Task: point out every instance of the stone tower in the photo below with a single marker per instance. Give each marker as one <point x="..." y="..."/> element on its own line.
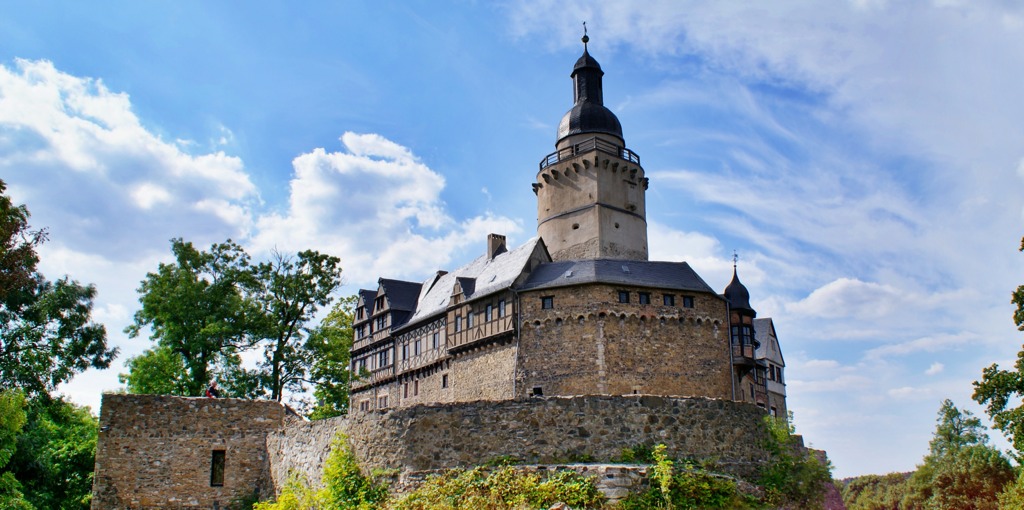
<point x="590" y="191"/>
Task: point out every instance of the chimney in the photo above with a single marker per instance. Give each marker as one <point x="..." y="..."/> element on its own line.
<point x="495" y="245"/>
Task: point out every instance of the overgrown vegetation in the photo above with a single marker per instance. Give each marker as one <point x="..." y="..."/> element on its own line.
<point x="685" y="489"/>
<point x="792" y="476"/>
<point x="502" y="488"/>
<point x="343" y="487"/>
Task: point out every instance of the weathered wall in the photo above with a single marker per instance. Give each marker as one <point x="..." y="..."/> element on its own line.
<point x="156" y="451"/>
<point x="540" y="431"/>
<point x="588" y="343"/>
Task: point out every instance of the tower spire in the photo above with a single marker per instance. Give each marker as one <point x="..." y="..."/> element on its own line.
<point x="585" y="38"/>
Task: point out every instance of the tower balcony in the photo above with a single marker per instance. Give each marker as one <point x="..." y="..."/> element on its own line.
<point x="589" y="145"/>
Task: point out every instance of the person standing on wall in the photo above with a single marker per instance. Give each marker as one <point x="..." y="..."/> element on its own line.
<point x="212" y="391"/>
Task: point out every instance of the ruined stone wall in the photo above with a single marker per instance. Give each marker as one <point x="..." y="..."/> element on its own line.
<point x="156" y="451"/>
<point x="588" y="343"/>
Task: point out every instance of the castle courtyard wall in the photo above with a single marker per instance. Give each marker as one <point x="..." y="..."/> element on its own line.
<point x="156" y="451"/>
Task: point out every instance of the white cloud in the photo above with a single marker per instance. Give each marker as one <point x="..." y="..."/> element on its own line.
<point x="121" y="189"/>
<point x="936" y="343"/>
<point x="935" y="368"/>
<point x="378" y="207"/>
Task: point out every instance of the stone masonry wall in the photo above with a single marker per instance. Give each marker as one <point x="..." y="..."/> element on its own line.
<point x="156" y="451"/>
<point x="548" y="430"/>
<point x="589" y="343"/>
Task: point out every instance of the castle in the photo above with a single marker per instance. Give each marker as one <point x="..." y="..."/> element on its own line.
<point x="578" y="310"/>
<point x="571" y="346"/>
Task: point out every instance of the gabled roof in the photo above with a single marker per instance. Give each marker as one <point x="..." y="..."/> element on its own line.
<point x="401" y="294"/>
<point x="367" y="297"/>
<point x="662" y="275"/>
<point x="489" y="274"/>
<point x="764" y="332"/>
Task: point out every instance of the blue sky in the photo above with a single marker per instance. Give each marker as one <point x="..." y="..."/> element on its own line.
<point x="865" y="160"/>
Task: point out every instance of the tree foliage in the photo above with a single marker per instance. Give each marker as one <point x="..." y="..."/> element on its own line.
<point x="961" y="470"/>
<point x="46" y="331"/>
<point x="12" y="419"/>
<point x="289" y="292"/>
<point x="875" y="492"/>
<point x="793" y="475"/>
<point x="1002" y="390"/>
<point x="195" y="308"/>
<point x="330" y="345"/>
<point x="208" y="308"/>
<point x="56" y="454"/>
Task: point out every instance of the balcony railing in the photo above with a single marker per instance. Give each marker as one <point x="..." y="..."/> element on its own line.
<point x="587" y="146"/>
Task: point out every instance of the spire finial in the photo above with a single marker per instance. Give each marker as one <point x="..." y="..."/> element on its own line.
<point x="735" y="259"/>
<point x="586" y="38"/>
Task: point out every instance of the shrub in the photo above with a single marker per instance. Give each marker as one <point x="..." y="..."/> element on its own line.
<point x="503" y="488"/>
<point x="792" y="475"/>
<point x="687" y="489"/>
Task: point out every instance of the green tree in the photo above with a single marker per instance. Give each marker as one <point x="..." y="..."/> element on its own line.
<point x="196" y="309"/>
<point x="46" y="331"/>
<point x="874" y="492"/>
<point x="330" y="344"/>
<point x="157" y="371"/>
<point x="1002" y="390"/>
<point x="56" y="454"/>
<point x="289" y="292"/>
<point x="12" y="419"/>
<point x="961" y="470"/>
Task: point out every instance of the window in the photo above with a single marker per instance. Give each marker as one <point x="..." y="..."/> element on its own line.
<point x="436" y="339"/>
<point x="382" y="359"/>
<point x="217" y="469"/>
<point x="444" y="380"/>
<point x="547" y="302"/>
<point x="687" y="301"/>
<point x="501" y="308"/>
<point x="458" y="323"/>
<point x="469" y="320"/>
<point x="416" y="387"/>
<point x="416" y="348"/>
<point x="668" y="300"/>
<point x="488" y="313"/>
<point x="364" y="405"/>
<point x="359" y="333"/>
<point x="359" y="312"/>
<point x="381" y="321"/>
<point x="405" y="351"/>
<point x="382" y="402"/>
<point x="538" y="391"/>
<point x="405" y="390"/>
<point x="774" y="411"/>
<point x="623" y="296"/>
<point x="644" y="298"/>
<point x="362" y="364"/>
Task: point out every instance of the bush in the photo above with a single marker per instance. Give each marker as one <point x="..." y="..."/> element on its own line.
<point x="344" y="486"/>
<point x="503" y="488"/>
<point x="792" y="476"/>
<point x="687" y="489"/>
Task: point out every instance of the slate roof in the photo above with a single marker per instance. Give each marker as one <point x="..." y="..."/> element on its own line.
<point x="368" y="296"/>
<point x="662" y="275"/>
<point x="737" y="293"/>
<point x="402" y="295"/>
<point x="764" y="331"/>
<point x="489" y="275"/>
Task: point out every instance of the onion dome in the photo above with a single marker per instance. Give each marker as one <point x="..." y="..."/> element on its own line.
<point x="588" y="114"/>
<point x="737" y="293"/>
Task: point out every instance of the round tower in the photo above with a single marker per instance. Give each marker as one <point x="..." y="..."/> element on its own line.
<point x="591" y="190"/>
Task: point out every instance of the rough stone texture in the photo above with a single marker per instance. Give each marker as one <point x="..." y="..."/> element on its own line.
<point x="156" y="451"/>
<point x="538" y="431"/>
<point x="588" y="343"/>
<point x="593" y="206"/>
<point x="302" y="448"/>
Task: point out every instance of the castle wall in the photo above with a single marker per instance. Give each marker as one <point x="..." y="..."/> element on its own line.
<point x="588" y="343"/>
<point x="157" y="451"/>
<point x="546" y="430"/>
